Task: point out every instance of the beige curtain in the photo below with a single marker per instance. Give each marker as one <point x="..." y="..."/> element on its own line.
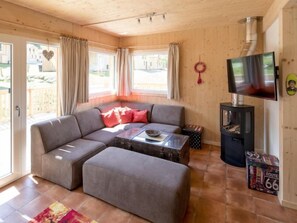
<point x="74" y="81"/>
<point x="173" y="72"/>
<point x="123" y="72"/>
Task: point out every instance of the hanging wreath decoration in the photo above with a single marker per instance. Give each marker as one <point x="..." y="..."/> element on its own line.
<point x="199" y="68"/>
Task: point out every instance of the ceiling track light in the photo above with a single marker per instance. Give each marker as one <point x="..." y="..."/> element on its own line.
<point x="139" y="17"/>
<point x="150" y="16"/>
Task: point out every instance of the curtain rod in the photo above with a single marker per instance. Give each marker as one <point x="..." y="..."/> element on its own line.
<point x="51" y="32"/>
<point x="72" y="37"/>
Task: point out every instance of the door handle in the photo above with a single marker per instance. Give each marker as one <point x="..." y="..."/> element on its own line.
<point x="19" y="110"/>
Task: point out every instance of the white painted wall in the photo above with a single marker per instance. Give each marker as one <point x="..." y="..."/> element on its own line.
<point x="272" y="108"/>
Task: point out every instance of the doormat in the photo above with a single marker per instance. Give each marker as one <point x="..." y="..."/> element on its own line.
<point x="58" y="213"/>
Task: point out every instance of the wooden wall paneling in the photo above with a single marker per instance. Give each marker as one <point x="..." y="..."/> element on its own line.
<point x="273" y="12"/>
<point x="189" y="56"/>
<point x="96" y="37"/>
<point x="30" y="18"/>
<point x="212" y="81"/>
<point x="7" y="28"/>
<point x="288" y="165"/>
<point x="221" y="73"/>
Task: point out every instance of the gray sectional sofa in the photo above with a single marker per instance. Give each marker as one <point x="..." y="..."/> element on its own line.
<point x="60" y="146"/>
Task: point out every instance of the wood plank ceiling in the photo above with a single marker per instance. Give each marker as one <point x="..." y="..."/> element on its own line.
<point x="179" y="14"/>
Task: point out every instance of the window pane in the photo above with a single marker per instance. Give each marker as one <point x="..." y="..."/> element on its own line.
<point x="150" y="72"/>
<point x="101" y="72"/>
<point x="41" y="80"/>
<point x="42" y="98"/>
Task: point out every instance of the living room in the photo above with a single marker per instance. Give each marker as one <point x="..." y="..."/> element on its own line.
<point x="211" y="41"/>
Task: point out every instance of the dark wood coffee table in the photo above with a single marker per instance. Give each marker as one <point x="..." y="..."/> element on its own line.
<point x="174" y="147"/>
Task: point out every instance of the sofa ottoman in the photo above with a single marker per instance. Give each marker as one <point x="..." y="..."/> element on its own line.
<point x="152" y="188"/>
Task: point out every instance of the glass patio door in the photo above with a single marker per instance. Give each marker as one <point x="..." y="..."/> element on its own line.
<point x="5" y="109"/>
<point x="41" y="86"/>
<point x="11" y="104"/>
<point x="28" y="94"/>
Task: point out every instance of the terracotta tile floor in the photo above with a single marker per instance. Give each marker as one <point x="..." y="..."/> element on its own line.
<point x="218" y="194"/>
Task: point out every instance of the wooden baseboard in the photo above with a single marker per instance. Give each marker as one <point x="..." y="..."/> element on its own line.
<point x="212" y="143"/>
<point x="289" y="204"/>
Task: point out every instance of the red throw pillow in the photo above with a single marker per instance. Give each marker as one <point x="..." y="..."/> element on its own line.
<point x="140" y="116"/>
<point x="110" y="118"/>
<point x="126" y="115"/>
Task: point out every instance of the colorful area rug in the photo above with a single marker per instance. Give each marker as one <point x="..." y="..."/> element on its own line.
<point x="58" y="213"/>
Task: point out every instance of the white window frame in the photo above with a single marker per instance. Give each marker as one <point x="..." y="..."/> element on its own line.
<point x="146" y="91"/>
<point x="104" y="92"/>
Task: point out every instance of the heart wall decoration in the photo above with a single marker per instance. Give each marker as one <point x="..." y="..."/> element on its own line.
<point x="48" y="54"/>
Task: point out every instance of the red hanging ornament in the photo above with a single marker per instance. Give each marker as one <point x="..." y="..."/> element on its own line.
<point x="199" y="68"/>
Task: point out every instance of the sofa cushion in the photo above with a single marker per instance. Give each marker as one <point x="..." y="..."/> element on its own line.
<point x="110" y="118"/>
<point x="89" y="121"/>
<point x="105" y="135"/>
<point x="139" y="106"/>
<point x="59" y="131"/>
<point x="168" y="114"/>
<point x="64" y="164"/>
<point x="125" y="115"/>
<point x="163" y="127"/>
<point x="108" y="106"/>
<point x="140" y="116"/>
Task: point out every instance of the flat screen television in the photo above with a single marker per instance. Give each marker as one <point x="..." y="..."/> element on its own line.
<point x="253" y="76"/>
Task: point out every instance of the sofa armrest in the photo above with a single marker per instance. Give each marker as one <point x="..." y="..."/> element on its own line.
<point x="37" y="150"/>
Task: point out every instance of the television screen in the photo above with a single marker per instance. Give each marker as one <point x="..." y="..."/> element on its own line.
<point x="253" y="76"/>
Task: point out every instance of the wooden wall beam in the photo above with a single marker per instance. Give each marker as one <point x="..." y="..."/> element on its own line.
<point x="273" y="13"/>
